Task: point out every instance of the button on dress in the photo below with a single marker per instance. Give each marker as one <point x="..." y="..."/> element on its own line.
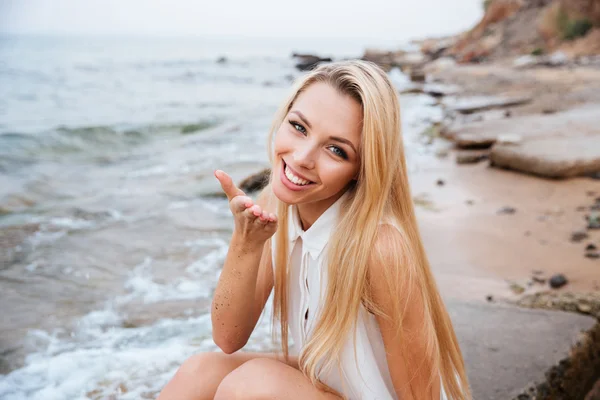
<point x="364" y="377"/>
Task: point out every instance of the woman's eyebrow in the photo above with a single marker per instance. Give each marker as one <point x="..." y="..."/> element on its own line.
<point x="342" y="140"/>
<point x="302" y="117"/>
<point x="336" y="138"/>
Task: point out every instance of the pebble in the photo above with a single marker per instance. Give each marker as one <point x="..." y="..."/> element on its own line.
<point x="593" y="220"/>
<point x="578" y="236"/>
<point x="557" y="281"/>
<point x="440" y="182"/>
<point x="507" y="210"/>
<point x="489" y="297"/>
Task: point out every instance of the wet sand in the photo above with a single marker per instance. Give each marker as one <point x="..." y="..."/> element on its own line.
<point x="476" y="252"/>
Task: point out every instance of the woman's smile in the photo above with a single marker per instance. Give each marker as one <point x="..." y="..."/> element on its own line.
<point x="293" y="180"/>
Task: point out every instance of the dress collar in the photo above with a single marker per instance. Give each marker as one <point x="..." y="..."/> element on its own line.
<point x="316" y="237"/>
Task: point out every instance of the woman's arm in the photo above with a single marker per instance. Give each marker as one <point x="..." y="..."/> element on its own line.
<point x="408" y="364"/>
<point x="246" y="279"/>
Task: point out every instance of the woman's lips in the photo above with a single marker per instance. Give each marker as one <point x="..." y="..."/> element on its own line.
<point x="289" y="184"/>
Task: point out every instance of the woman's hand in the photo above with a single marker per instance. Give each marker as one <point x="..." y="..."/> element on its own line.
<point x="252" y="224"/>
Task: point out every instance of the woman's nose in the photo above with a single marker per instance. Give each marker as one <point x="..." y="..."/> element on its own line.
<point x="304" y="157"/>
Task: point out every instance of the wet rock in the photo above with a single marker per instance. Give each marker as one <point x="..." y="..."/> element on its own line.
<point x="506" y="211"/>
<point x="306" y="62"/>
<point x="578" y="236"/>
<point x="550" y="157"/>
<point x="256" y="182"/>
<point x="558" y="281"/>
<point x="593" y="220"/>
<point x="470" y="157"/>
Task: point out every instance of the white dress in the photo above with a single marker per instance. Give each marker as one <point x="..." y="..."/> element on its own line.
<point x="365" y="377"/>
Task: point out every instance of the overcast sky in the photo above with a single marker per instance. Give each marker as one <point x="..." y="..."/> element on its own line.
<point x="400" y="19"/>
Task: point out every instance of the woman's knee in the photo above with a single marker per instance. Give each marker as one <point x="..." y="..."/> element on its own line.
<point x="256" y="380"/>
<point x="197" y="378"/>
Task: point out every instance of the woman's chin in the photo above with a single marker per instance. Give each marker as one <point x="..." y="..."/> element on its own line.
<point x="283" y="194"/>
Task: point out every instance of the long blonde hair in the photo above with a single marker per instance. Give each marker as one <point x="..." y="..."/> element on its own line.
<point x="381" y="191"/>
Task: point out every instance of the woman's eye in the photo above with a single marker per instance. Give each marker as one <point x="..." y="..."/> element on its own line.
<point x="298" y="127"/>
<point x="339" y="152"/>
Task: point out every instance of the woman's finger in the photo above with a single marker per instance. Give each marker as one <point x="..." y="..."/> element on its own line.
<point x="227" y="185"/>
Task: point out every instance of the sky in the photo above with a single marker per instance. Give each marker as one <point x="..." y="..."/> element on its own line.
<point x="400" y="19"/>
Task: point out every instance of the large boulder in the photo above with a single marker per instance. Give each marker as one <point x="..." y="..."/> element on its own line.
<point x="558" y="157"/>
<point x="306" y="62"/>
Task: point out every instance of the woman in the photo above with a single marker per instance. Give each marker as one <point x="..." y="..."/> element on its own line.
<point x="335" y="235"/>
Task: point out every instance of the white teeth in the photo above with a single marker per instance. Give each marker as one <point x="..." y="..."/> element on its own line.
<point x="294" y="178"/>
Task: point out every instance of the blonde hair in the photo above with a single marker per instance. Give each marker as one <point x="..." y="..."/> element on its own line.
<point x="381" y="191"/>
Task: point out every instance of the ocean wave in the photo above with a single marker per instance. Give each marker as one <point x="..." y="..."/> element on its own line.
<point x="102" y="143"/>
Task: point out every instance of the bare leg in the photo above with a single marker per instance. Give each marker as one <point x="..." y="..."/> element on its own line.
<point x="268" y="379"/>
<point x="200" y="375"/>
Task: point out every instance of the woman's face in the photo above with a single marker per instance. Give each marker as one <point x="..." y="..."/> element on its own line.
<point x="317" y="147"/>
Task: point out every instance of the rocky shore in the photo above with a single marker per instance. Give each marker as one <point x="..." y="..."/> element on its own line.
<point x="515" y="180"/>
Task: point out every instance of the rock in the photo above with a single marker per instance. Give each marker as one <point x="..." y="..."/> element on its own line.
<point x="417" y="75"/>
<point x="306" y="62"/>
<point x="578" y="236"/>
<point x="385" y="59"/>
<point x="593" y="220"/>
<point x="592" y="254"/>
<point x="256" y="181"/>
<point x="594" y="394"/>
<point x="516" y="288"/>
<point x="470" y="157"/>
<point x="591" y="247"/>
<point x="484" y="103"/>
<point x="558" y="281"/>
<point x="509" y="138"/>
<point x="594" y="175"/>
<point x="221" y="60"/>
<point x="506" y="211"/>
<point x="584" y="308"/>
<point x="537" y="279"/>
<point x="440" y="182"/>
<point x="489" y="297"/>
<point x="473" y="141"/>
<point x="469" y="202"/>
<point x="440" y="64"/>
<point x="526" y="61"/>
<point x="550" y="157"/>
<point x="440" y="90"/>
<point x="557" y="58"/>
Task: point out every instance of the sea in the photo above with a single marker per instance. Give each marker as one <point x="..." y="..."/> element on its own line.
<point x="113" y="231"/>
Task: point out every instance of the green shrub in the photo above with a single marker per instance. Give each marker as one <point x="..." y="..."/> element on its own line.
<point x="571" y="28"/>
<point x="538" y="51"/>
<point x="577" y="28"/>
